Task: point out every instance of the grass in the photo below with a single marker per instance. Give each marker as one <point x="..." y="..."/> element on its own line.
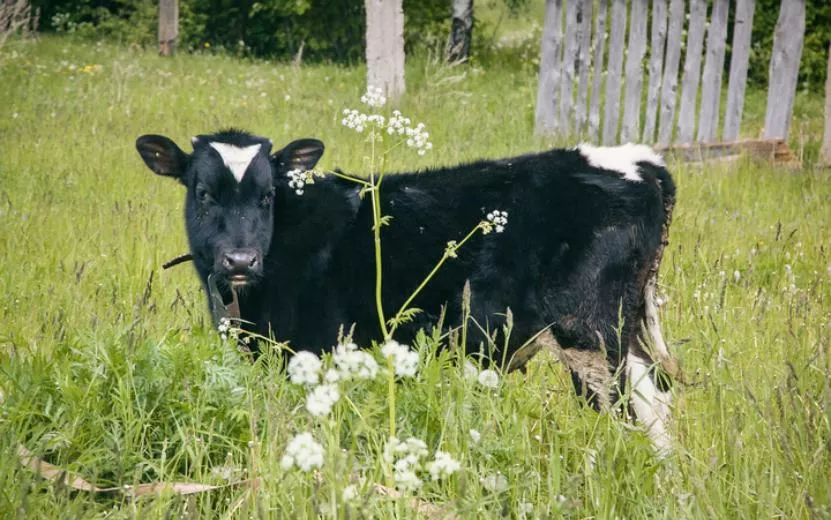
<point x="109" y="367"/>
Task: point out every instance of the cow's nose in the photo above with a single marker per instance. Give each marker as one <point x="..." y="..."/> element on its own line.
<point x="241" y="261"/>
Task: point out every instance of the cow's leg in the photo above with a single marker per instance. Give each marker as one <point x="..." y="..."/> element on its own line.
<point x="649" y="395"/>
<point x="591" y="372"/>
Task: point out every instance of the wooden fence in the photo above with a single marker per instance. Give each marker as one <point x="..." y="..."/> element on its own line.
<point x="586" y="43"/>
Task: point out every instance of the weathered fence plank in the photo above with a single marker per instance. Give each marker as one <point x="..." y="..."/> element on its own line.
<point x="550" y="53"/>
<point x="615" y="66"/>
<point x="569" y="66"/>
<point x="669" y="82"/>
<point x="742" y="29"/>
<point x="656" y="61"/>
<point x="634" y="72"/>
<point x="784" y="67"/>
<point x="692" y="71"/>
<point x="584" y="20"/>
<point x="599" y="45"/>
<point x="713" y="69"/>
<point x="826" y="142"/>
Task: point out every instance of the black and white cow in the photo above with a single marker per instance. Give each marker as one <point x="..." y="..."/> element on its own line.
<point x="577" y="263"/>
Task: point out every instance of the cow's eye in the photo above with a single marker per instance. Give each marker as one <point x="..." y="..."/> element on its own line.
<point x="203" y="195"/>
<point x="267" y="198"/>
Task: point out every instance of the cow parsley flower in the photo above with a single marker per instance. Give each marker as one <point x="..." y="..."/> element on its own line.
<point x="320" y="401"/>
<point x="488" y="378"/>
<point x="475" y="436"/>
<point x="304" y="368"/>
<point x="331" y="376"/>
<point x="404" y="360"/>
<point x="470" y="371"/>
<point x="498" y="219"/>
<point x="495" y="482"/>
<point x="353" y="363"/>
<point x="303" y="452"/>
<point x="354" y="119"/>
<point x="297" y="180"/>
<point x="350" y="493"/>
<point x="443" y="465"/>
<point x="374" y="97"/>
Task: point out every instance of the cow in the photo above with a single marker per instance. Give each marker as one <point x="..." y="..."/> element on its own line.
<point x="575" y="268"/>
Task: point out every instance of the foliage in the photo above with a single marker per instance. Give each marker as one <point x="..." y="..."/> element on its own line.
<point x="117" y="376"/>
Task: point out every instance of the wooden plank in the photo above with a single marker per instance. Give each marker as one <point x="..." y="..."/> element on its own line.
<point x="615" y="66"/>
<point x="599" y="46"/>
<point x="713" y="69"/>
<point x="692" y="71"/>
<point x="584" y="20"/>
<point x="657" y="43"/>
<point x="775" y="150"/>
<point x="742" y="29"/>
<point x="630" y="130"/>
<point x="669" y="81"/>
<point x="784" y="67"/>
<point x="826" y="141"/>
<point x="546" y="120"/>
<point x="569" y="66"/>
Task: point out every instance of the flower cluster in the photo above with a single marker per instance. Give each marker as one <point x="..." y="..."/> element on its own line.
<point x="303" y="452"/>
<point x="298" y="179"/>
<point x="488" y="378"/>
<point x="374" y="97"/>
<point x="320" y="401"/>
<point x="415" y="137"/>
<point x="353" y="363"/>
<point x="496" y="221"/>
<point x="304" y="368"/>
<point x="403" y="360"/>
<point x="405" y="458"/>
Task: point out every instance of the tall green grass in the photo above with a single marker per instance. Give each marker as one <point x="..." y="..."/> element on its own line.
<point x="109" y="367"/>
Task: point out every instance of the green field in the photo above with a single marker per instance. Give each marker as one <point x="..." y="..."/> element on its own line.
<point x="109" y="366"/>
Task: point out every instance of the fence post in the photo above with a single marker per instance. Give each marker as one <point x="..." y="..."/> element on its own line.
<point x="742" y="29"/>
<point x="584" y="18"/>
<point x="669" y="83"/>
<point x="634" y="72"/>
<point x="569" y="66"/>
<point x="599" y="42"/>
<point x="616" y="41"/>
<point x="713" y="68"/>
<point x="656" y="59"/>
<point x="826" y="142"/>
<point x="784" y="67"/>
<point x="692" y="71"/>
<point x="550" y="51"/>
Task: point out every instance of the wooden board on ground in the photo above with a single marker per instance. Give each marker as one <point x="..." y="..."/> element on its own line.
<point x="775" y="150"/>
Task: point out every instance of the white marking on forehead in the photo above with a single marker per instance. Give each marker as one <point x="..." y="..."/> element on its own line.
<point x="623" y="159"/>
<point x="235" y="158"/>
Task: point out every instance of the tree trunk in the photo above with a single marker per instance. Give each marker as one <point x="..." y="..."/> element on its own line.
<point x="826" y="142"/>
<point x="461" y="31"/>
<point x="168" y="26"/>
<point x="385" y="46"/>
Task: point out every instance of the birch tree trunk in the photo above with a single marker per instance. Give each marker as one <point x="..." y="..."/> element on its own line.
<point x="826" y="142"/>
<point x="461" y="32"/>
<point x="546" y="121"/>
<point x="784" y="67"/>
<point x="385" y="46"/>
<point x="168" y="26"/>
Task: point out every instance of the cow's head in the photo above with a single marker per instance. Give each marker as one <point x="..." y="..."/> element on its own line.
<point x="231" y="179"/>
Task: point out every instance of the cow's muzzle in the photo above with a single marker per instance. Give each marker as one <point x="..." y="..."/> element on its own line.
<point x="239" y="266"/>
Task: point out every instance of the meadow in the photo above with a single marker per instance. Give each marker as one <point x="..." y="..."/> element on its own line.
<point x="110" y="368"/>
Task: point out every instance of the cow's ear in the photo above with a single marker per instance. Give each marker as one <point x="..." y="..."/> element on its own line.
<point x="302" y="154"/>
<point x="161" y="155"/>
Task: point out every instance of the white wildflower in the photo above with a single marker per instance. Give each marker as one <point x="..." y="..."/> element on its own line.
<point x="304" y="368"/>
<point x="350" y="493"/>
<point x="331" y="376"/>
<point x="470" y="371"/>
<point x="303" y="452"/>
<point x="475" y="436"/>
<point x="524" y="509"/>
<point x="404" y="360"/>
<point x="737" y="276"/>
<point x="498" y="219"/>
<point x="495" y="482"/>
<point x="374" y="97"/>
<point x="353" y="363"/>
<point x="297" y="180"/>
<point x="488" y="378"/>
<point x="443" y="466"/>
<point x="320" y="401"/>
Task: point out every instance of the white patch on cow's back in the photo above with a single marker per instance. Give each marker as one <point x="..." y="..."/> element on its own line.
<point x="650" y="404"/>
<point x="236" y="158"/>
<point x="623" y="158"/>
